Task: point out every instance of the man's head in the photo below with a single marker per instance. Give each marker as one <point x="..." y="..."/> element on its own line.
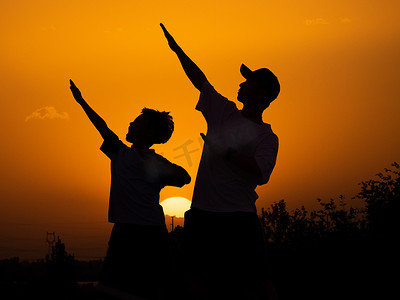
<point x="151" y="127"/>
<point x="260" y="88"/>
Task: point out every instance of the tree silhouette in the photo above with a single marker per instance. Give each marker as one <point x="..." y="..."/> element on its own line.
<point x="60" y="264"/>
<point x="350" y="249"/>
<point x="382" y="199"/>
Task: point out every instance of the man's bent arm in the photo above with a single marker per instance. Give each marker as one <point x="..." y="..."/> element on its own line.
<point x="96" y="120"/>
<point x="244" y="162"/>
<point x="193" y="72"/>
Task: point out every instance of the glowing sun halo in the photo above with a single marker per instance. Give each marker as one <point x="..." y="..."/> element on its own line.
<point x="175" y="206"/>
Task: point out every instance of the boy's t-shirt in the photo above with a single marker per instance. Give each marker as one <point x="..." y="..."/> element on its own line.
<point x="137" y="177"/>
<point x="220" y="185"/>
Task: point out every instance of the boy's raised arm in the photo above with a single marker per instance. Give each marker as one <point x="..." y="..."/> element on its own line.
<point x="192" y="71"/>
<point x="96" y="120"/>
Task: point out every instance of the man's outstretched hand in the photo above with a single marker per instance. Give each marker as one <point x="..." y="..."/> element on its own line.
<point x="193" y="72"/>
<point x="75" y="92"/>
<point x="171" y="42"/>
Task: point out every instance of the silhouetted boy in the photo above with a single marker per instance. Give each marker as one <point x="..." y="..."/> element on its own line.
<point x="223" y="234"/>
<point x="138" y="248"/>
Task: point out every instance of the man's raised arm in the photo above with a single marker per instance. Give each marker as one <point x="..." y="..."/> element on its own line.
<point x="192" y="71"/>
<point x="96" y="120"/>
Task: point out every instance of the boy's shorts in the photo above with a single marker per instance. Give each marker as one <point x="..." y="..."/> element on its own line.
<point x="137" y="257"/>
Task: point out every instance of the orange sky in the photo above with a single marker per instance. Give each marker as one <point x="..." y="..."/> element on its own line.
<point x="337" y="115"/>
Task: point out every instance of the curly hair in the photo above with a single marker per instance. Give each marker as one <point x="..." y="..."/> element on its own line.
<point x="161" y="122"/>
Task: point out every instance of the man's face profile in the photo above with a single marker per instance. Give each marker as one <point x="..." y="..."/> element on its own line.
<point x="250" y="91"/>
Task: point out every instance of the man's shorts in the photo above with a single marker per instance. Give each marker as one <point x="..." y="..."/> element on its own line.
<point x="224" y="246"/>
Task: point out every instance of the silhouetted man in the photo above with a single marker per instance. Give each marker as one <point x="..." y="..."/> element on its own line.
<point x="224" y="237"/>
<point x="138" y="248"/>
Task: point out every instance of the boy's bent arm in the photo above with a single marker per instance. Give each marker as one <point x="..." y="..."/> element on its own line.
<point x="96" y="120"/>
<point x="176" y="176"/>
<point x="193" y="72"/>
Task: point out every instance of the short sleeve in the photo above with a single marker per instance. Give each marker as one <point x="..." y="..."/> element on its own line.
<point x="111" y="144"/>
<point x="213" y="105"/>
<point x="265" y="156"/>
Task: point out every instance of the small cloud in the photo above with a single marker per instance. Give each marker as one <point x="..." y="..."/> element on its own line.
<point x="345" y="20"/>
<point x="317" y="21"/>
<point x="47" y="112"/>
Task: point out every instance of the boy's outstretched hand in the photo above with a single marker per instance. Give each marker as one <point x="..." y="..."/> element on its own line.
<point x="171" y="42"/>
<point x="75" y="92"/>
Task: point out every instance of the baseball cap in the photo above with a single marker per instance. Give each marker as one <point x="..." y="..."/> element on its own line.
<point x="265" y="77"/>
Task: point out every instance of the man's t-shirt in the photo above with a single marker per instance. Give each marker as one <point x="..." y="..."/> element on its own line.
<point x="220" y="185"/>
<point x="137" y="177"/>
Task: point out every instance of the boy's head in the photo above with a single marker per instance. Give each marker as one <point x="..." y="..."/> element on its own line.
<point x="150" y="127"/>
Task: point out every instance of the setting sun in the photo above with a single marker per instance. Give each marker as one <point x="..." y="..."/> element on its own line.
<point x="176" y="206"/>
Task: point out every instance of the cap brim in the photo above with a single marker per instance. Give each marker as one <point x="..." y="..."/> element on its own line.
<point x="245" y="71"/>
